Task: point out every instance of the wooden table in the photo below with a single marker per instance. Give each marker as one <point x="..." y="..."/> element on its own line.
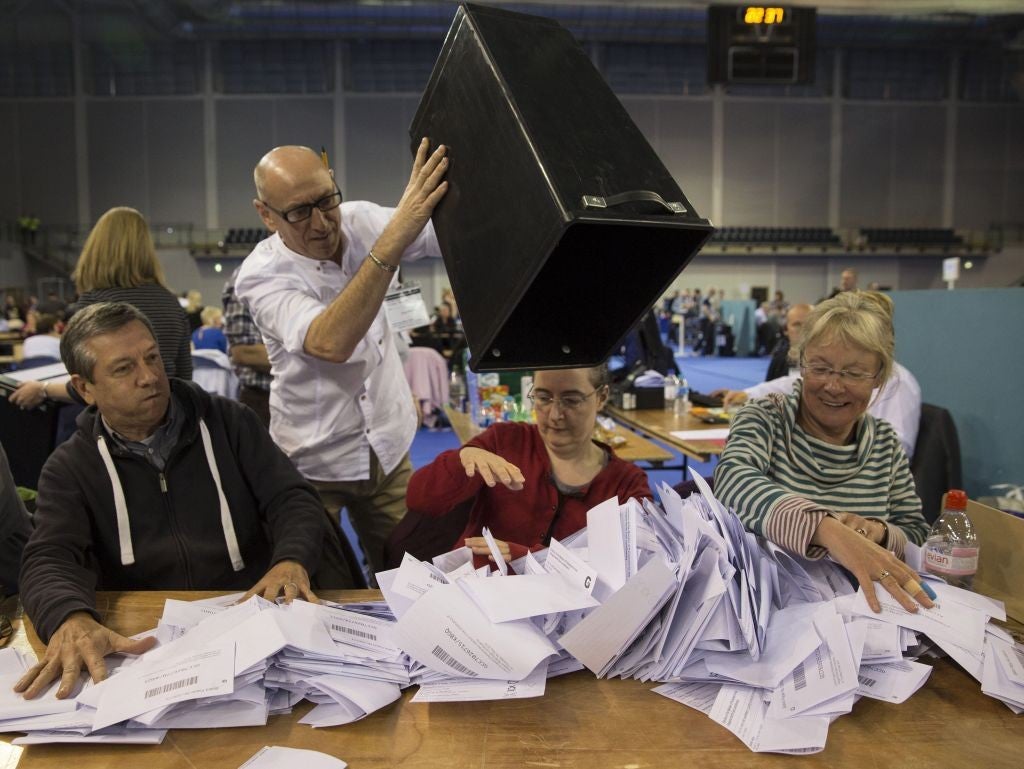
<point x="580" y="723"/>
<point x="628" y="445"/>
<point x="659" y="424"/>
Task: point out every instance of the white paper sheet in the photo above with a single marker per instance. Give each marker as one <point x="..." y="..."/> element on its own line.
<point x="145" y="687"/>
<point x="474" y="689"/>
<point x="445" y="631"/>
<point x="892" y="681"/>
<point x="523" y="596"/>
<point x="275" y="757"/>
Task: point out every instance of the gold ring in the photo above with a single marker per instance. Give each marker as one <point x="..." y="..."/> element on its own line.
<point x="286" y="584"/>
<point x="883" y="575"/>
<point x="862" y="531"/>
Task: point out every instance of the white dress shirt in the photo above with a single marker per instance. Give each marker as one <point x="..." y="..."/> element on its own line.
<point x="327" y="416"/>
<point x="898" y="401"/>
<point x="41" y="345"/>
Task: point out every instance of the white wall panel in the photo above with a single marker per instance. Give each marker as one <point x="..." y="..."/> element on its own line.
<point x="175" y="159"/>
<point x="978" y="197"/>
<point x="245" y="132"/>
<point x="802" y="135"/>
<point x="377" y="147"/>
<point x="46" y="146"/>
<point x="864" y="191"/>
<point x="749" y="165"/>
<point x="916" y="173"/>
<point x="118" y="174"/>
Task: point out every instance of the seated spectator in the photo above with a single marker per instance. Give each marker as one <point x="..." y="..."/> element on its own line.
<point x="816" y="474"/>
<point x="782" y="362"/>
<point x="52" y="305"/>
<point x="767" y="329"/>
<point x="15" y="527"/>
<point x="529" y="483"/>
<point x="898" y="401"/>
<point x="45" y="343"/>
<point x="163" y="487"/>
<point x="210" y="335"/>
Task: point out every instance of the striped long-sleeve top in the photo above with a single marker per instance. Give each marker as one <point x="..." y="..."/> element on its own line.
<point x="782" y="482"/>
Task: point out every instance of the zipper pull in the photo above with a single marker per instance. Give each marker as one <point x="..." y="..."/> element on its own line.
<point x="163" y="483"/>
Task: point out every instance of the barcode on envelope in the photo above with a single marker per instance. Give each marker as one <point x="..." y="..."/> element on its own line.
<point x="799" y="677"/>
<point x="172" y="686"/>
<point x="865" y="681"/>
<point x="353" y="631"/>
<point x="451" y="662"/>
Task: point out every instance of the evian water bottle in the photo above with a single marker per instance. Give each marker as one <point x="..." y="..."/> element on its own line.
<point x="951" y="550"/>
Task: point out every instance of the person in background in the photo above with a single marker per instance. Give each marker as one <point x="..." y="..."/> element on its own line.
<point x="898" y="401"/>
<point x="194" y="310"/>
<point x="448" y="297"/>
<point x="782" y="362"/>
<point x="118" y="264"/>
<point x="210" y="336"/>
<point x="163" y="487"/>
<point x="816" y="474"/>
<point x="52" y="305"/>
<point x="340" y="405"/>
<point x="531" y="483"/>
<point x="45" y="343"/>
<point x="847" y="282"/>
<point x="247" y="352"/>
<point x="15" y="528"/>
<point x="13" y="312"/>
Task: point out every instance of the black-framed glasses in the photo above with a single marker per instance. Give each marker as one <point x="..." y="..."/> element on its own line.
<point x="303" y="212"/>
<point x="569" y="402"/>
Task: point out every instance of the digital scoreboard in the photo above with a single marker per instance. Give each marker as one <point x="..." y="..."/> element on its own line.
<point x="770" y="44"/>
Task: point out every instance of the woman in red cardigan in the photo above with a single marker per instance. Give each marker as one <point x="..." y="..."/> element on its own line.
<point x="530" y="483"/>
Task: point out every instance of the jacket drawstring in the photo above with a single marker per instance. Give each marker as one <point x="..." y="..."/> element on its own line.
<point x="225" y="512"/>
<point x="124" y="532"/>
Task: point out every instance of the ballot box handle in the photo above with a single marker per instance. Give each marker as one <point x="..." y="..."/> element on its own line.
<point x="634" y="196"/>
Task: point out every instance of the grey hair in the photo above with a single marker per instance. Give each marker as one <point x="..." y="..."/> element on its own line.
<point x="95" y="320"/>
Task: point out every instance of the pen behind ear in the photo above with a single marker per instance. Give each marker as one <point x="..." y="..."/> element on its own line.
<point x="323" y="157"/>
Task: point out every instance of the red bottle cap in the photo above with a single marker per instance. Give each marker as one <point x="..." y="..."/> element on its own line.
<point x="956" y="499"/>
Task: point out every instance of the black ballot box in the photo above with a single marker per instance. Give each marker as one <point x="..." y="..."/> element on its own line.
<point x="561" y="226"/>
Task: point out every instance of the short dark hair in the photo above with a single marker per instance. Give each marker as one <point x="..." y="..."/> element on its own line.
<point x="45" y="323"/>
<point x="95" y="320"/>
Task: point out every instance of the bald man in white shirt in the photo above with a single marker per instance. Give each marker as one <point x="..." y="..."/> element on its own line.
<point x="340" y="406"/>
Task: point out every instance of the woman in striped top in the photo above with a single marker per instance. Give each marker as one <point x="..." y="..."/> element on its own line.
<point x="814" y="473"/>
<point x="118" y="264"/>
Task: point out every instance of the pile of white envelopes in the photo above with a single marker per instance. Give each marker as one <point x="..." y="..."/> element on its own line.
<point x="772" y="647"/>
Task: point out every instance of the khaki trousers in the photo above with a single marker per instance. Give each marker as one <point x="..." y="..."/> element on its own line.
<point x="375" y="506"/>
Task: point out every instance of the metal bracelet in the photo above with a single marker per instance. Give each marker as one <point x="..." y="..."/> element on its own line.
<point x="389" y="268"/>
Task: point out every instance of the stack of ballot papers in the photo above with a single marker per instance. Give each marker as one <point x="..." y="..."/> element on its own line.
<point x="771" y="646"/>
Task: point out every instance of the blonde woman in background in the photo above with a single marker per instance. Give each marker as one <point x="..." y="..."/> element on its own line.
<point x="118" y="264"/>
<point x="210" y="335"/>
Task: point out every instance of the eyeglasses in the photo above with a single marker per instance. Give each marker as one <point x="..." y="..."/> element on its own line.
<point x="303" y="212"/>
<point x="823" y="373"/>
<point x="570" y="402"/>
